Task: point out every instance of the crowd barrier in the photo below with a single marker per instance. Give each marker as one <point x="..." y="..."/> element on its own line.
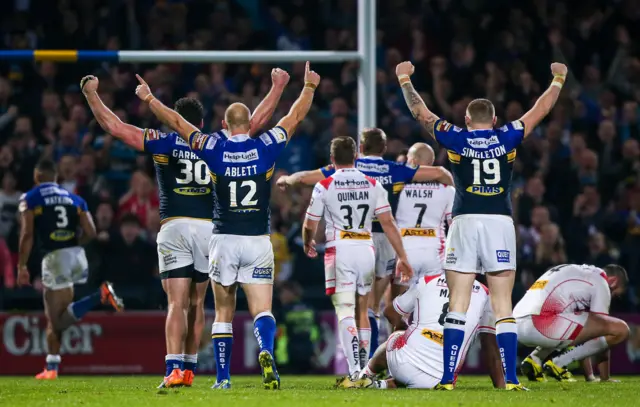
<point x="133" y="343"/>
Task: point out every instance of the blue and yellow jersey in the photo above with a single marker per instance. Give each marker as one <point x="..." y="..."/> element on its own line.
<point x="390" y="174"/>
<point x="482" y="166"/>
<point x="241" y="170"/>
<point x="56" y="215"/>
<point x="184" y="183"/>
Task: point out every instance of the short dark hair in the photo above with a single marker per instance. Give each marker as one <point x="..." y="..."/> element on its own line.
<point x="374" y="141"/>
<point x="47" y="168"/>
<point x="191" y="109"/>
<point x="343" y="150"/>
<point x="614" y="270"/>
<point x="481" y="111"/>
<point x="129" y="219"/>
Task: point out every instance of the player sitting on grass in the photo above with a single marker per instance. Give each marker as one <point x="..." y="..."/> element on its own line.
<point x="414" y="357"/>
<point x="55" y="217"/>
<point x="569" y="306"/>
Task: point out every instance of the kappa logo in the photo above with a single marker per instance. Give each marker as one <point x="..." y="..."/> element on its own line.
<point x="483" y="142"/>
<point x="242" y="157"/>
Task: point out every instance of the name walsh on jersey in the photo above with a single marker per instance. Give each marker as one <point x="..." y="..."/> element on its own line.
<point x="418" y="193"/>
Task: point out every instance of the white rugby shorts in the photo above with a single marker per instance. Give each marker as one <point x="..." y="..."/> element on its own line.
<point x="398" y="361"/>
<point x="384" y="255"/>
<point x="481" y="244"/>
<point x="184" y="242"/>
<point x="349" y="268"/>
<point x="63" y="268"/>
<point x="551" y="330"/>
<point x="241" y="259"/>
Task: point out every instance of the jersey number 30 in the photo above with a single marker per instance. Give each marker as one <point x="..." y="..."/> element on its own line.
<point x="490" y="170"/>
<point x="193" y="170"/>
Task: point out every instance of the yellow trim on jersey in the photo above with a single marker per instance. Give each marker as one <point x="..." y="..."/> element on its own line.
<point x="417" y="232"/>
<point x="511" y="155"/>
<point x="162" y="222"/>
<point x="453" y="157"/>
<point x="214" y="177"/>
<point x="434" y="336"/>
<point x="37" y="210"/>
<point x="270" y="172"/>
<point x="161" y="159"/>
<point x="354" y="235"/>
<point x="539" y="285"/>
<point x="398" y="187"/>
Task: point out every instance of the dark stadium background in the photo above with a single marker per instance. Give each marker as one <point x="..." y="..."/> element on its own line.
<point x="577" y="179"/>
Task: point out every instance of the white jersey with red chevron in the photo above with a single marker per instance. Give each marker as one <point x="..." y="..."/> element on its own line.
<point x="349" y="200"/>
<point x="567" y="288"/>
<point x="428" y="301"/>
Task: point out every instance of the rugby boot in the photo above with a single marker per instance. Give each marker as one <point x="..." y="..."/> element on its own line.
<point x="173" y="380"/>
<point x="108" y="297"/>
<point x="348" y="382"/>
<point x="445" y="386"/>
<point x="225" y="384"/>
<point x="559" y="373"/>
<point x="187" y="377"/>
<point x="515" y="387"/>
<point x="270" y="377"/>
<point x="47" y="375"/>
<point x="532" y="370"/>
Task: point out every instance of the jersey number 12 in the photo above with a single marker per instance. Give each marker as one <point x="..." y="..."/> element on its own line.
<point x="249" y="186"/>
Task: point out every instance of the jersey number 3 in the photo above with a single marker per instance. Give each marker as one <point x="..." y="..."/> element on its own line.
<point x="490" y="170"/>
<point x="63" y="219"/>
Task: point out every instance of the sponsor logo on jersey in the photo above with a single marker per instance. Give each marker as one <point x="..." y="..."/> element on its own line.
<point x="457" y="129"/>
<point x="451" y="256"/>
<point x="198" y="140"/>
<point x="443" y="125"/>
<point x="354" y="235"/>
<point x="211" y="143"/>
<point x="279" y="135"/>
<point x="266" y="139"/>
<point x="215" y="270"/>
<point x="517" y="125"/>
<point x="483" y="142"/>
<point x="434" y="336"/>
<point x="168" y="258"/>
<point x="180" y="142"/>
<point x="372" y="167"/>
<point x="192" y="191"/>
<point x="503" y="256"/>
<point x="262" y="272"/>
<point x="241" y="157"/>
<point x="152" y="135"/>
<point x="539" y="285"/>
<point x="418" y="232"/>
<point x="61" y="235"/>
<point x="484" y="190"/>
<point x="351" y="183"/>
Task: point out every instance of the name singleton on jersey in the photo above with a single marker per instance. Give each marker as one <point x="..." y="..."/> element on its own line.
<point x="491" y="153"/>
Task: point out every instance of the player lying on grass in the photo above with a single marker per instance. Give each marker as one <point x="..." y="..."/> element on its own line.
<point x="185" y="212"/>
<point x="569" y="306"/>
<point x="349" y="200"/>
<point x="414" y="357"/>
<point x="55" y="217"/>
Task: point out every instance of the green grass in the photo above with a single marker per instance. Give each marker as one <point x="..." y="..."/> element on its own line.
<point x="133" y="391"/>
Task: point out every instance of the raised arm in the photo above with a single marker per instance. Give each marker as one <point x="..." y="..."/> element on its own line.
<point x="131" y="135"/>
<point x="165" y="114"/>
<point x="302" y="105"/>
<point x="416" y="105"/>
<point x="26" y="242"/>
<point x="308" y="178"/>
<point x="491" y="358"/>
<point x="545" y="103"/>
<point x="264" y="111"/>
<point x="429" y="173"/>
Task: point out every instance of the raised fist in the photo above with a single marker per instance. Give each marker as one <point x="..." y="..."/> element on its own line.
<point x="89" y="84"/>
<point x="405" y="68"/>
<point x="279" y="77"/>
<point x="558" y="69"/>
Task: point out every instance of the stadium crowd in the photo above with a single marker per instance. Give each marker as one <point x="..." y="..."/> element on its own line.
<point x="577" y="180"/>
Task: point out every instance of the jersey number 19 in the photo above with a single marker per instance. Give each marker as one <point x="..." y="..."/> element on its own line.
<point x="490" y="169"/>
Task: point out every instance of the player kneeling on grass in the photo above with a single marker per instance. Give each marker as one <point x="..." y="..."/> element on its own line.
<point x="569" y="306"/>
<point x="55" y="217"/>
<point x="414" y="357"/>
<point x="349" y="200"/>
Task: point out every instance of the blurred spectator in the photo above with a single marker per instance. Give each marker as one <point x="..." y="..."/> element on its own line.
<point x="598" y="251"/>
<point x="9" y="199"/>
<point x="550" y="250"/>
<point x="141" y="198"/>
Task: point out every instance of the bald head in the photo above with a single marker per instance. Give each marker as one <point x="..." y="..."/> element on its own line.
<point x="420" y="154"/>
<point x="237" y="117"/>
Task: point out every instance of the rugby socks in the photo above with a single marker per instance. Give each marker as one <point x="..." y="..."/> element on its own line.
<point x="171" y="362"/>
<point x="453" y="337"/>
<point x="190" y="362"/>
<point x="222" y="340"/>
<point x="350" y="343"/>
<point x="507" y="337"/>
<point x="374" y="321"/>
<point x="81" y="307"/>
<point x="540" y="355"/>
<point x="580" y="352"/>
<point x="53" y="362"/>
<point x="364" y="345"/>
<point x="264" y="329"/>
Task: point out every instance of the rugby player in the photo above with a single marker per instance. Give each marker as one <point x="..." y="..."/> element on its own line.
<point x="349" y="200"/>
<point x="393" y="177"/>
<point x="423" y="209"/>
<point x="185" y="211"/>
<point x="482" y="231"/>
<point x="240" y="250"/>
<point x="55" y="217"/>
<point x="414" y="357"/>
<point x="569" y="306"/>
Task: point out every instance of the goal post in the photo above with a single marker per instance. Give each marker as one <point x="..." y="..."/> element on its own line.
<point x="365" y="56"/>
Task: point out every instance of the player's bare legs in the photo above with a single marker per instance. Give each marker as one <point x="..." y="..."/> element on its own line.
<point x="195" y="325"/>
<point x="377" y="364"/>
<point x="222" y="332"/>
<point x="55" y="304"/>
<point x="364" y="328"/>
<point x="460" y="286"/>
<point x="259" y="299"/>
<point x="501" y="286"/>
<point x="175" y="330"/>
<point x="600" y="333"/>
